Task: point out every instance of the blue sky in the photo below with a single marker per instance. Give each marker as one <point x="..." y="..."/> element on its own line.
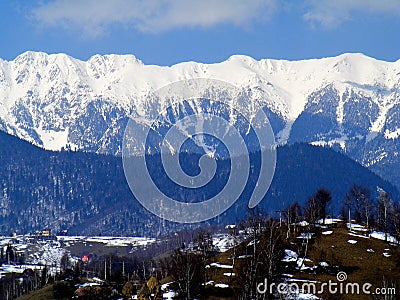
<point x="166" y="32"/>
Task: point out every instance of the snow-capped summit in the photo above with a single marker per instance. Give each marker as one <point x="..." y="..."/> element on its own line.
<point x="351" y="101"/>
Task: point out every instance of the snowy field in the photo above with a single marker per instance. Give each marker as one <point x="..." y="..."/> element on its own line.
<point x="108" y="240"/>
<point x="35" y="252"/>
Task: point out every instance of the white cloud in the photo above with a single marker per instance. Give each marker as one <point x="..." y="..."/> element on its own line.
<point x="331" y="13"/>
<point x="93" y="17"/>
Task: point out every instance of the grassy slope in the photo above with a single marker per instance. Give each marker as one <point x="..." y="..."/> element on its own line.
<point x="361" y="266"/>
<point x="43" y="294"/>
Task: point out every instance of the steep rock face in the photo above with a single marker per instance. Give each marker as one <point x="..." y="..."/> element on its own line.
<point x="361" y="123"/>
<point x="350" y="102"/>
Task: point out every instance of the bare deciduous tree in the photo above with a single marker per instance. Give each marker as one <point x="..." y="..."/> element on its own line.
<point x="264" y="254"/>
<point x="384" y="210"/>
<point x="357" y="201"/>
<point x="186" y="270"/>
<point x="293" y="217"/>
<point x="395" y="216"/>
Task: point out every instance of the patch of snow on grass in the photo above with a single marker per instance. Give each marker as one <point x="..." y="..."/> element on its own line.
<point x="218" y="265"/>
<point x="327" y="232"/>
<point x="356" y="227"/>
<point x="251" y="243"/>
<point x="329" y="221"/>
<point x="222" y="285"/>
<point x="223" y="242"/>
<point x="245" y="256"/>
<point x="358" y="235"/>
<point x="290" y="256"/>
<point x="88" y="284"/>
<point x="169" y="295"/>
<point x="301" y="264"/>
<point x="303" y="223"/>
<point x="381" y="236"/>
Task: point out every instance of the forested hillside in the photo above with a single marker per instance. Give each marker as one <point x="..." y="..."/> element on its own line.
<point x="87" y="193"/>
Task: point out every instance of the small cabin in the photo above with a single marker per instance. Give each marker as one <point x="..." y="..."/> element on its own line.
<point x="46" y="232"/>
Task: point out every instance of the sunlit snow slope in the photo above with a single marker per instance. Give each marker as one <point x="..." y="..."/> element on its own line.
<point x="350" y="102"/>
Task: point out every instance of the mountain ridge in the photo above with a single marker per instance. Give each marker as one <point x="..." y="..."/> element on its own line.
<point x="350" y="102"/>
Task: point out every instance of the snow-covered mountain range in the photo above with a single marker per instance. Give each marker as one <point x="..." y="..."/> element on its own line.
<point x="350" y="102"/>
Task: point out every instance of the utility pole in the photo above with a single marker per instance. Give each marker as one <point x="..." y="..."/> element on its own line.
<point x="350" y="219"/>
<point x="105" y="269"/>
<point x="385" y="222"/>
<point x="109" y="273"/>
